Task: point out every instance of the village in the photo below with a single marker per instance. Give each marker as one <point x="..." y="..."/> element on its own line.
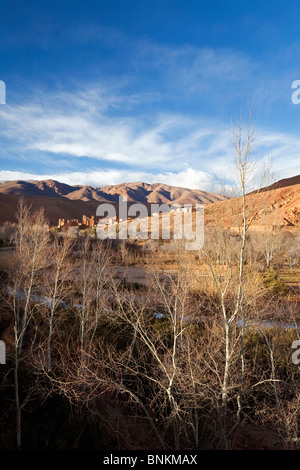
<point x="156" y="211"/>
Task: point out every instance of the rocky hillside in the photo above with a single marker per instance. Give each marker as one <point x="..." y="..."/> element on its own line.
<point x="272" y="206"/>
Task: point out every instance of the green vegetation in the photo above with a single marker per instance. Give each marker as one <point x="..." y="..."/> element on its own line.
<point x="273" y="283"/>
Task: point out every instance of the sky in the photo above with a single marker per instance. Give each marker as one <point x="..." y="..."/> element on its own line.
<point x="104" y="92"/>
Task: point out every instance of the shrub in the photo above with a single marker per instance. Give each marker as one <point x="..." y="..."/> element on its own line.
<point x="272" y="282"/>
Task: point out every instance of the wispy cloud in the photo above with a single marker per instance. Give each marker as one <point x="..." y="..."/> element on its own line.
<point x="132" y="129"/>
<point x="84" y="124"/>
<point x="193" y="68"/>
<point x="158" y="147"/>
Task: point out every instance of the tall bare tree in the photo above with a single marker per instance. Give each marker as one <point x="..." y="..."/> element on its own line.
<point x="231" y="278"/>
<point x="31" y="242"/>
<point x="57" y="285"/>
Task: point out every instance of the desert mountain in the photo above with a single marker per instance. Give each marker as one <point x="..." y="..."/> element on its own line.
<point x="135" y="192"/>
<point x="48" y="188"/>
<point x="68" y="202"/>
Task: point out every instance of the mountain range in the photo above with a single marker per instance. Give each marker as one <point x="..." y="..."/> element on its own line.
<point x="135" y="192"/>
<point x="61" y="200"/>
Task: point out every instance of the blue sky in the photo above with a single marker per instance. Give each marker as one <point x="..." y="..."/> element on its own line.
<point x="106" y="92"/>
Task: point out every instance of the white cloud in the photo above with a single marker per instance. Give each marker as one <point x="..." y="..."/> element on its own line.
<point x="189" y="178"/>
<point x="72" y="125"/>
<point x="69" y="131"/>
<point x="170" y="148"/>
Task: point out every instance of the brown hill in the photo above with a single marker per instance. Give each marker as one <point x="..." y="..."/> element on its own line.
<point x="158" y="193"/>
<point x="55" y="207"/>
<point x="87" y="193"/>
<point x="281" y="205"/>
<point x="283" y="183"/>
<point x="47" y="188"/>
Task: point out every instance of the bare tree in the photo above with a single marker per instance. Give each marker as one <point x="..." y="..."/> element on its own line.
<point x="93" y="274"/>
<point x="136" y="358"/>
<point x="270" y="242"/>
<point x="57" y="284"/>
<point x="230" y="279"/>
<point x="31" y="242"/>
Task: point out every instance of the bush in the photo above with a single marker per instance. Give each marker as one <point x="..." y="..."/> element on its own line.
<point x="272" y="282"/>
